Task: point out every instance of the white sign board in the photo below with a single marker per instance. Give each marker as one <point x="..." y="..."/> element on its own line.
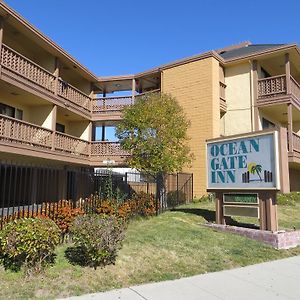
<point x="249" y="162"/>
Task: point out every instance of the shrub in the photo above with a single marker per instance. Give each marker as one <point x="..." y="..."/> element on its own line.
<point x="62" y="213"/>
<point x="107" y="208"/>
<point x="29" y="243"/>
<point x="142" y="204"/>
<point x="124" y="211"/>
<point x="175" y="198"/>
<point x="98" y="238"/>
<point x="204" y="199"/>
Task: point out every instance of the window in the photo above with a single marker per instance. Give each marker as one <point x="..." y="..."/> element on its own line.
<point x="7" y="110"/>
<point x="19" y="114"/>
<point x="60" y="127"/>
<point x="267" y="124"/>
<point x="11" y="111"/>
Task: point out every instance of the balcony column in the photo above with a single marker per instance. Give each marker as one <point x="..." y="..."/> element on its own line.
<point x="103" y="133"/>
<point x="90" y="137"/>
<point x="288" y="73"/>
<point x="92" y="97"/>
<point x="56" y="74"/>
<point x="255" y="95"/>
<point x="103" y="99"/>
<point x="133" y="90"/>
<point x="53" y="125"/>
<point x="290" y="126"/>
<point x="1" y="39"/>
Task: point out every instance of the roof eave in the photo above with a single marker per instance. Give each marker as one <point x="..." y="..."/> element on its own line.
<point x="264" y="52"/>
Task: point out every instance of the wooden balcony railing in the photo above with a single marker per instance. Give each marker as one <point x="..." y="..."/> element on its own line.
<point x="36" y="75"/>
<point x="277" y="86"/>
<point x="109" y="104"/>
<point x="223" y="105"/>
<point x="296" y="142"/>
<point x="69" y="92"/>
<point x="295" y="88"/>
<point x="107" y="149"/>
<point x="71" y="144"/>
<point x="14" y="131"/>
<point x="272" y="86"/>
<point x="26" y="68"/>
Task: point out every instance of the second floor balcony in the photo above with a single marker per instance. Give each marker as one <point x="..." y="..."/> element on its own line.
<point x="23" y="72"/>
<point x="24" y="138"/>
<point x="277" y="90"/>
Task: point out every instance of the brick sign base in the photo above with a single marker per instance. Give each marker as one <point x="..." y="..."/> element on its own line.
<point x="278" y="240"/>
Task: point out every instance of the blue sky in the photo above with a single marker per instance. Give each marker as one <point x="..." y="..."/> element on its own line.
<point x="115" y="37"/>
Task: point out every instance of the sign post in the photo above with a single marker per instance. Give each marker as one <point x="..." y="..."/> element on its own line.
<point x="243" y="171"/>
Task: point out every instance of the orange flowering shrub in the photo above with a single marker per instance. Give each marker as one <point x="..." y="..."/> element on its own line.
<point x="143" y="204"/>
<point x="106" y="208"/>
<point x="124" y="211"/>
<point x="63" y="214"/>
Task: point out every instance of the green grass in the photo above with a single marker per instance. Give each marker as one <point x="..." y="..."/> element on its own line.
<point x="288" y="215"/>
<point x="172" y="245"/>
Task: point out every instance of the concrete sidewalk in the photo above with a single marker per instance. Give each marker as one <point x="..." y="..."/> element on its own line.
<point x="272" y="280"/>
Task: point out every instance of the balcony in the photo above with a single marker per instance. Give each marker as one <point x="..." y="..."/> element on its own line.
<point x="277" y="90"/>
<point x="294" y="147"/>
<point x="23" y="138"/>
<point x="113" y="106"/>
<point x="23" y="72"/>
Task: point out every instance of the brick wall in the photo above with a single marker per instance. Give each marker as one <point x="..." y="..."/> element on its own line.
<point x="195" y="85"/>
<point x="278" y="240"/>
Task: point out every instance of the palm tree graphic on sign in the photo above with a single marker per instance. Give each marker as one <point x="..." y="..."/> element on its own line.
<point x="254" y="168"/>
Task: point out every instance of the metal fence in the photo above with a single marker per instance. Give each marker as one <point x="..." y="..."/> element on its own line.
<point x="26" y="190"/>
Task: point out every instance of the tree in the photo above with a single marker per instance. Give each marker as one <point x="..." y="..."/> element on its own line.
<point x="154" y="130"/>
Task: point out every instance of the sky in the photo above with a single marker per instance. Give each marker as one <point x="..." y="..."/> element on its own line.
<point x="118" y="37"/>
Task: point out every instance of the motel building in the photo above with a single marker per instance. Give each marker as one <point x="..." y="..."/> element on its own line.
<point x="55" y="112"/>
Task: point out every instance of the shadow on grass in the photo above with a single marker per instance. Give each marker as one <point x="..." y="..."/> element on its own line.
<point x="76" y="255"/>
<point x="210" y="216"/>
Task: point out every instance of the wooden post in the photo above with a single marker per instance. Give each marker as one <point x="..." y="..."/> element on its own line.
<point x="1" y="41"/>
<point x="53" y="125"/>
<point x="268" y="211"/>
<point x="284" y="161"/>
<point x="92" y="97"/>
<point x="262" y="213"/>
<point x="290" y="127"/>
<point x="288" y="73"/>
<point x="103" y="133"/>
<point x="56" y="74"/>
<point x="133" y="90"/>
<point x="255" y="95"/>
<point x="271" y="211"/>
<point x="219" y="208"/>
<point x="90" y="137"/>
<point x="103" y="99"/>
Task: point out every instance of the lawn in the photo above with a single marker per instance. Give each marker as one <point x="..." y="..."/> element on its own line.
<point x="172" y="245"/>
<point x="288" y="215"/>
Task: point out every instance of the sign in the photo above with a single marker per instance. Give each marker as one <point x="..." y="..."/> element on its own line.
<point x="241" y="211"/>
<point x="244" y="162"/>
<point x="240" y="198"/>
<point x="238" y="204"/>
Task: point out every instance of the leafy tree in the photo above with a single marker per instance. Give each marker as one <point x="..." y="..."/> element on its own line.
<point x="154" y="130"/>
